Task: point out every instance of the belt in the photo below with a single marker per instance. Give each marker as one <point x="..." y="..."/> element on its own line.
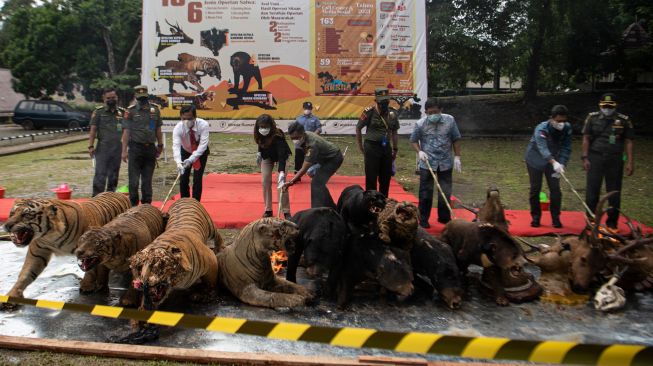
<point x="142" y="143"/>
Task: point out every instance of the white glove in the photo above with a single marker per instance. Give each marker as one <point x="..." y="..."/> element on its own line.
<point x="259" y="159"/>
<point x="312" y="170"/>
<point x="457" y="165"/>
<point x="558" y="170"/>
<point x="180" y="168"/>
<point x="187" y="163"/>
<point x="282" y="179"/>
<point x="423" y="156"/>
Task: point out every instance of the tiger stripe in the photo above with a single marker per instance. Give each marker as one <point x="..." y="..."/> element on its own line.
<point x="551" y="352"/>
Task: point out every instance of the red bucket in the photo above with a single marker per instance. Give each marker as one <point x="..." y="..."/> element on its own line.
<point x="544" y="206"/>
<point x="2" y="192"/>
<point x="64" y="195"/>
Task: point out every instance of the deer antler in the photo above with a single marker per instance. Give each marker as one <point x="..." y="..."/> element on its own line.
<point x="598" y="215"/>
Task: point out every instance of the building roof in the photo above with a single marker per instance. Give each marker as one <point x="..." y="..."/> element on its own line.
<point x="8" y="97"/>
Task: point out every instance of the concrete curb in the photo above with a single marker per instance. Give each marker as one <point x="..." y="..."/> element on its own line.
<point x="17" y="149"/>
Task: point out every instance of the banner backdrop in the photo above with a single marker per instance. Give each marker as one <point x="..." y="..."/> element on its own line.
<point x="237" y="59"/>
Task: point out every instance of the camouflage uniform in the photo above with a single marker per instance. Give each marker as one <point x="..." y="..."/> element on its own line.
<point x="107" y="153"/>
<point x="328" y="155"/>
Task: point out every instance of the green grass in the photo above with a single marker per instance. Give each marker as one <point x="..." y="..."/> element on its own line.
<point x="486" y="162"/>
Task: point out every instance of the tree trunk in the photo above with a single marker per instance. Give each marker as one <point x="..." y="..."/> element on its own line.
<point x="496" y="84"/>
<point x="111" y="58"/>
<point x="533" y="69"/>
<point x="131" y="53"/>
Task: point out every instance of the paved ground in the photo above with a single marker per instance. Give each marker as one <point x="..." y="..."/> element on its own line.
<point x="18" y="145"/>
<point x="479" y="316"/>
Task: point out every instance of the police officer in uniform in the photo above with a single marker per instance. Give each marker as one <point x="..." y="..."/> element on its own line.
<point x="380" y="148"/>
<point x="142" y="143"/>
<point x="311" y="123"/>
<point x="106" y="126"/>
<point x="606" y="135"/>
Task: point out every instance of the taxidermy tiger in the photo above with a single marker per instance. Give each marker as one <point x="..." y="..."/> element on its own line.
<point x="52" y="226"/>
<point x="188" y="213"/>
<point x="178" y="258"/>
<point x="109" y="247"/>
<point x="398" y="223"/>
<point x="246" y="271"/>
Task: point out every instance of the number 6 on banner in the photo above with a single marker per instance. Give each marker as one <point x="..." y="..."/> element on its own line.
<point x="194" y="12"/>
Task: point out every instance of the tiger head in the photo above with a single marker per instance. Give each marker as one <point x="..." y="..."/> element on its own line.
<point x="96" y="246"/>
<point x="406" y="214"/>
<point x="30" y="219"/>
<point x="157" y="269"/>
<point x="272" y="234"/>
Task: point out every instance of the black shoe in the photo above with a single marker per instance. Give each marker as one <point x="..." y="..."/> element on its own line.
<point x="267" y="214"/>
<point x="287" y="215"/>
<point x="443" y="221"/>
<point x="424" y="224"/>
<point x="535" y="223"/>
<point x="556" y="222"/>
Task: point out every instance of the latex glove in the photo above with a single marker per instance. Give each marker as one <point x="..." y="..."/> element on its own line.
<point x="282" y="179"/>
<point x="180" y="168"/>
<point x="423" y="156"/>
<point x="457" y="165"/>
<point x="259" y="159"/>
<point x="558" y="168"/>
<point x="312" y="170"/>
<point x="187" y="163"/>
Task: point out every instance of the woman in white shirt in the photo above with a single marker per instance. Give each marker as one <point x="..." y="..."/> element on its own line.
<point x="190" y="148"/>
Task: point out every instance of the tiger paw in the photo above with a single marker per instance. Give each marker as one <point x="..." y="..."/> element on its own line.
<point x="88" y="287"/>
<point x="8" y="307"/>
<point x="131" y="298"/>
<point x="502" y="301"/>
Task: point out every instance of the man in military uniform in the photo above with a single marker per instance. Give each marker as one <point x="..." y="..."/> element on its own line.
<point x="606" y="135"/>
<point x="106" y="126"/>
<point x="142" y="143"/>
<point x="380" y="148"/>
<point x="318" y="151"/>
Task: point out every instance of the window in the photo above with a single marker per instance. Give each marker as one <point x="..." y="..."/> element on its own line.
<point x="42" y="107"/>
<point x="26" y="105"/>
<point x="55" y="108"/>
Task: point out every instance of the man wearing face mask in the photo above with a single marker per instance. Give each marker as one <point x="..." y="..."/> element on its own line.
<point x="434" y="137"/>
<point x="311" y="124"/>
<point x="547" y="154"/>
<point x="318" y="151"/>
<point x="607" y="149"/>
<point x="142" y="143"/>
<point x="380" y="148"/>
<point x="190" y="148"/>
<point x="106" y="125"/>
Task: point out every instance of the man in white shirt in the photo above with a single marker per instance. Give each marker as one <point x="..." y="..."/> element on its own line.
<point x="190" y="148"/>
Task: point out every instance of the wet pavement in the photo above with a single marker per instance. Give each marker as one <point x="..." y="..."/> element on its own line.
<point x="479" y="316"/>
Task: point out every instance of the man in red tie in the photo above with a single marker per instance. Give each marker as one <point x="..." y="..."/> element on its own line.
<point x="190" y="147"/>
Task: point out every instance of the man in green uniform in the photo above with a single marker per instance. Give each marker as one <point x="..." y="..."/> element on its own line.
<point x="380" y="148"/>
<point x="606" y="135"/>
<point x="142" y="142"/>
<point x="318" y="151"/>
<point x="106" y="126"/>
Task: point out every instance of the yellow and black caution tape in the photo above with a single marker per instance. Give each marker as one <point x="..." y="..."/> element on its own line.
<point x="552" y="352"/>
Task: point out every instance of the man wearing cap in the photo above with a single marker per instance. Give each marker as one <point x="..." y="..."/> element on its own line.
<point x="380" y="148"/>
<point x="106" y="126"/>
<point x="318" y="151"/>
<point x="142" y="142"/>
<point x="607" y="134"/>
<point x="311" y="124"/>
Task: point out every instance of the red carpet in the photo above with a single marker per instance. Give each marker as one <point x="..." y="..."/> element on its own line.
<point x="234" y="200"/>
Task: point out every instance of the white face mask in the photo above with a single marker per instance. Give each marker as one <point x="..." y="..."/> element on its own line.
<point x="189" y="123"/>
<point x="264" y="131"/>
<point x="557" y="125"/>
<point x="607" y="111"/>
<point x="307" y="112"/>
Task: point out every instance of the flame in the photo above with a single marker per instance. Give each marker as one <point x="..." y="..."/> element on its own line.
<point x="278" y="260"/>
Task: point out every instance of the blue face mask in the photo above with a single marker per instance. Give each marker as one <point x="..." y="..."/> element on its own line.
<point x="434" y="118"/>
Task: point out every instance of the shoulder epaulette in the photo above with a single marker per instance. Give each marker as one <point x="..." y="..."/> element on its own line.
<point x="121" y="108"/>
<point x="131" y="106"/>
<point x="99" y="107"/>
<point x="622" y="116"/>
<point x="594" y="113"/>
<point x="156" y="105"/>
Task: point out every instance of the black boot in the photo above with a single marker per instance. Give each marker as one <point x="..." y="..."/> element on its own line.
<point x="556" y="222"/>
<point x="535" y="222"/>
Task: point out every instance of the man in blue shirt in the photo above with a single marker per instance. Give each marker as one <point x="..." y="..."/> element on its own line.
<point x="311" y="124"/>
<point x="547" y="154"/>
<point x="434" y="137"/>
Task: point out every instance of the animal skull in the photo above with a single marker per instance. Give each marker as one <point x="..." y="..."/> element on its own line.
<point x="610" y="297"/>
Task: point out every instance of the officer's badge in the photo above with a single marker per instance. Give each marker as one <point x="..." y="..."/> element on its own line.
<point x="617" y="122"/>
<point x="152" y="110"/>
<point x="391" y="114"/>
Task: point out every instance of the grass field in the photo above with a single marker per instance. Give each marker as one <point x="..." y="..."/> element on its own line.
<point x="485" y="162"/>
